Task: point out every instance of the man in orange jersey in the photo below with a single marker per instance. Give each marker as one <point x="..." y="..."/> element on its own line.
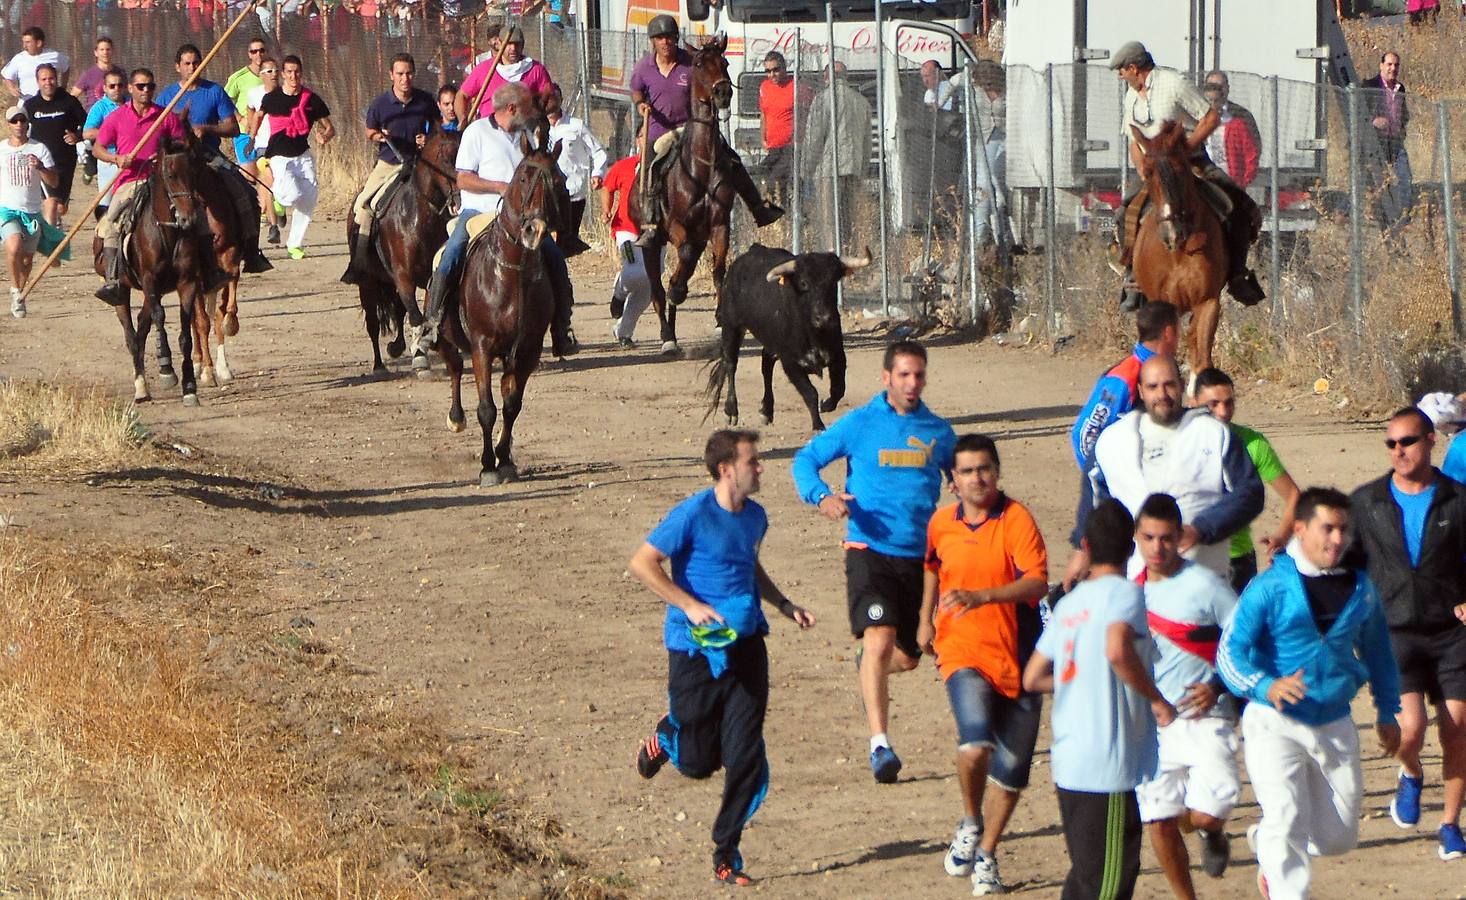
<point x="986" y="567"/>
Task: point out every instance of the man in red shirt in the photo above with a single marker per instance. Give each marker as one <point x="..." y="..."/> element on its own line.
<point x="632" y="284"/>
<point x="776" y="106"/>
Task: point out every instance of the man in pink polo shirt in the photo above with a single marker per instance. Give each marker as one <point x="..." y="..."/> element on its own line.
<point x="124" y="128"/>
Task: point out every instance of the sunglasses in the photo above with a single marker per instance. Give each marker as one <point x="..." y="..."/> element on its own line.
<point x="256" y="50"/>
<point x="1409" y="440"/>
<point x="19" y="119"/>
<point x="268" y="71"/>
<point x="143" y="86"/>
<point x="114" y="85"/>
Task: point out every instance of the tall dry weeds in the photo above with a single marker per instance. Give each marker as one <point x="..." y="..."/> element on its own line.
<point x="63" y="425"/>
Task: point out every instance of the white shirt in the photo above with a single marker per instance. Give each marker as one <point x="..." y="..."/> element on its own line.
<point x="20" y="185"/>
<point x="581" y="155"/>
<point x="252" y="100"/>
<point x="22" y="69"/>
<point x="1169" y="96"/>
<point x="492" y="155"/>
<point x="940" y="97"/>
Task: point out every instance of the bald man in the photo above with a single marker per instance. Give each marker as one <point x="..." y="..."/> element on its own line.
<point x="1164" y="448"/>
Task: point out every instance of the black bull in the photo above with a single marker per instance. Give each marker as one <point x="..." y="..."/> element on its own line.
<point x="789" y="304"/>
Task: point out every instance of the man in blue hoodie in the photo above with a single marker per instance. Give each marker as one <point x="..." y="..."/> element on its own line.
<point x="897" y="453"/>
<point x="1305" y="635"/>
<point x="717" y="667"/>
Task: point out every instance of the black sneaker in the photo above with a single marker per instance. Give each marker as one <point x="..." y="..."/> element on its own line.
<point x="273" y="236"/>
<point x="725" y="873"/>
<point x="1216" y="852"/>
<point x="650" y="757"/>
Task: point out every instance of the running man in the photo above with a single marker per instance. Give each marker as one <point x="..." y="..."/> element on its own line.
<point x="20" y="72"/>
<point x="986" y="567"/>
<point x="632" y="283"/>
<point x="114" y="94"/>
<point x="1299" y="741"/>
<point x="1106" y="709"/>
<point x="896" y="453"/>
<point x="717" y="665"/>
<point x="1187" y="606"/>
<point x="1215" y="392"/>
<point x="292" y="112"/>
<point x="56" y="121"/>
<point x="25" y="165"/>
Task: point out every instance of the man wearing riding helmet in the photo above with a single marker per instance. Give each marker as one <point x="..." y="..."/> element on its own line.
<point x="661" y="87"/>
<point x="1154" y="96"/>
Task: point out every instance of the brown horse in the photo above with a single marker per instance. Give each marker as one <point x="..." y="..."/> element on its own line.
<point x="218" y="310"/>
<point x="505" y="303"/>
<point x="409" y="232"/>
<point x="699" y="193"/>
<point x="1180" y="250"/>
<point x="166" y="250"/>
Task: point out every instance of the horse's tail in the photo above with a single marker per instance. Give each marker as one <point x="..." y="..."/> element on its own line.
<point x="717" y="371"/>
<point x="382" y="301"/>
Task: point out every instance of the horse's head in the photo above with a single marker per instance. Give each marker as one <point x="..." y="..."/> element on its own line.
<point x="437" y="172"/>
<point x="536" y="194"/>
<point x="173" y="170"/>
<point x="1171" y="181"/>
<point x="710" y="82"/>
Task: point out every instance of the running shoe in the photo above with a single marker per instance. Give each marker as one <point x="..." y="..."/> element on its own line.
<point x="297" y="253"/>
<point x="17" y="303"/>
<point x="729" y="875"/>
<point x="273" y="235"/>
<point x="1405" y="807"/>
<point x="1453" y="846"/>
<point x="985" y="878"/>
<point x="1252" y="845"/>
<point x="649" y="757"/>
<point x="1216" y="852"/>
<point x="962" y="851"/>
<point x="885" y="765"/>
<point x="279" y="210"/>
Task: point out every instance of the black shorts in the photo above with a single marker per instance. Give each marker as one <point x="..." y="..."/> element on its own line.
<point x="884" y="590"/>
<point x="65" y="172"/>
<point x="1432" y="664"/>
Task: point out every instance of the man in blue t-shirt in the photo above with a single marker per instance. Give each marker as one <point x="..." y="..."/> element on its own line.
<point x="717" y="667"/>
<point x="210" y="112"/>
<point x="1411" y="526"/>
<point x="114" y="94"/>
<point x="897" y="454"/>
<point x="1094" y="657"/>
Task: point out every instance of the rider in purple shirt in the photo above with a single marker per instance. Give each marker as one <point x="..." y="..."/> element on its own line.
<point x="661" y="88"/>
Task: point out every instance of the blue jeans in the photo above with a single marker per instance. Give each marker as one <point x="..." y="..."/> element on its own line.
<point x="457" y="247"/>
<point x="986" y="718"/>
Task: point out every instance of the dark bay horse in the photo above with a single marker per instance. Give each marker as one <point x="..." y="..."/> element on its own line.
<point x="699" y="196"/>
<point x="166" y="250"/>
<point x="1180" y="250"/>
<point x="409" y="232"/>
<point x="505" y="303"/>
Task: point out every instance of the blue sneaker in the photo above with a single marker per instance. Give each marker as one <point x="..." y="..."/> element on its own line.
<point x="1405" y="807"/>
<point x="1453" y="846"/>
<point x="885" y="765"/>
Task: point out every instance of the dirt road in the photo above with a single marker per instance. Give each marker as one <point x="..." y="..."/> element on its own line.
<point x="507" y="611"/>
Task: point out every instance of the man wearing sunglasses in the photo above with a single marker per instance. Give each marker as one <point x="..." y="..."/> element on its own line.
<point x="26" y="165"/>
<point x="776" y="102"/>
<point x="1411" y="527"/>
<point x="1154" y="96"/>
<point x="114" y="94"/>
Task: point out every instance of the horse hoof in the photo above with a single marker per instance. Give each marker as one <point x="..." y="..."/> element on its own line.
<point x="206" y="377"/>
<point x="223" y="375"/>
<point x="231" y="325"/>
<point x="732" y="421"/>
<point x="190" y="399"/>
<point x="488" y="479"/>
<point x="670" y="348"/>
<point x="455" y="426"/>
<point x="508" y="472"/>
<point x="766" y="418"/>
<point x="167" y="379"/>
<point x="396" y="348"/>
<point x="420" y="363"/>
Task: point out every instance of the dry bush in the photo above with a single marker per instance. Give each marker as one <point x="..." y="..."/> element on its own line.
<point x="62" y="426"/>
<point x="1432" y="64"/>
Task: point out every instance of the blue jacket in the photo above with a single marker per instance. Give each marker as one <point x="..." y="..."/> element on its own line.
<point x="895" y="467"/>
<point x="1272" y="635"/>
<point x="1113" y="396"/>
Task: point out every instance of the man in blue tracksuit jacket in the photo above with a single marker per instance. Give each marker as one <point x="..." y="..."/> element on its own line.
<point x="1305" y="636"/>
<point x="897" y="454"/>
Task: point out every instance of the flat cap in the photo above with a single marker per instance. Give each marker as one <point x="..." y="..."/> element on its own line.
<point x="1129" y="52"/>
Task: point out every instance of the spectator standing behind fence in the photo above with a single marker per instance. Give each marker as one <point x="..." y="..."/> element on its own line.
<point x="583" y="161"/>
<point x="776" y="107"/>
<point x="990" y="115"/>
<point x="939" y="91"/>
<point x="20" y="72"/>
<point x="509" y="65"/>
<point x="852" y="136"/>
<point x="1236" y="145"/>
<point x="1390" y="116"/>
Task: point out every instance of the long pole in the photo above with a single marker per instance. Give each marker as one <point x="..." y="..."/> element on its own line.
<point x="1275" y="273"/>
<point x="1051" y="259"/>
<point x="794" y="176"/>
<point x="969" y="175"/>
<point x="834" y="140"/>
<point x="881" y="150"/>
<point x="1356" y="214"/>
<point x="86" y="217"/>
<point x="1453" y="273"/>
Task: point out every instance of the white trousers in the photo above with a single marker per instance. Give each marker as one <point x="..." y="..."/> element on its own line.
<point x="632" y="283"/>
<point x="296" y="187"/>
<point x="1308" y="783"/>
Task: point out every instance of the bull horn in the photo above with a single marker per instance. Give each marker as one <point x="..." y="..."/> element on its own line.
<point x="779" y="271"/>
<point x="854" y="263"/>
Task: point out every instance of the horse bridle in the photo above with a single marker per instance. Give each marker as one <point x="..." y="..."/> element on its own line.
<point x="541" y="174"/>
<point x="171" y="196"/>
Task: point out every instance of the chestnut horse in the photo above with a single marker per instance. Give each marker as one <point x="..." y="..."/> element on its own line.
<point x="699" y="197"/>
<point x="166" y="250"/>
<point x="1180" y="252"/>
<point x="409" y="232"/>
<point x="505" y="302"/>
<point x="217" y="311"/>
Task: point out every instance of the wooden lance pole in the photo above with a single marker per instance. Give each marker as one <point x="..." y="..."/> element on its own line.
<point x="147" y="136"/>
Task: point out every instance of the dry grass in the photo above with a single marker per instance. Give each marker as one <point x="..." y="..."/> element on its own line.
<point x="61" y="426"/>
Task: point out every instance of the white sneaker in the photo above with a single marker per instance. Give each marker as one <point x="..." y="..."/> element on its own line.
<point x="963" y="851"/>
<point x="985" y="879"/>
<point x="1252" y="837"/>
<point x="17" y="304"/>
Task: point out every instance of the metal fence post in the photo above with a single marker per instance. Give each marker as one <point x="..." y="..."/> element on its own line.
<point x="1356" y="214"/>
<point x="582" y="61"/>
<point x="1051" y="259"/>
<point x="1453" y="274"/>
<point x="795" y="181"/>
<point x="969" y="172"/>
<point x="881" y="150"/>
<point x="834" y="140"/>
<point x="1275" y="274"/>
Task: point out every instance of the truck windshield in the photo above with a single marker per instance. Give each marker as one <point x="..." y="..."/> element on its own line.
<point x="845" y="10"/>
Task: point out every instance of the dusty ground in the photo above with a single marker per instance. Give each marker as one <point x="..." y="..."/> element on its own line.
<point x="507" y="611"/>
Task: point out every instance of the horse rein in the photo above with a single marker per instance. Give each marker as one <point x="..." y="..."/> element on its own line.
<point x="541" y="176"/>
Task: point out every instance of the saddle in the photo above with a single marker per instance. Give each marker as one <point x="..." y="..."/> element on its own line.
<point x="476" y="227"/>
<point x="383" y="197"/>
<point x="1214" y="195"/>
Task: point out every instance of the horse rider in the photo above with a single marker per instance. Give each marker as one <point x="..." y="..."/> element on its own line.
<point x="486" y="161"/>
<point x="124" y="129"/>
<point x="661" y="88"/>
<point x="397" y="121"/>
<point x="1154" y="96"/>
<point x="212" y="115"/>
